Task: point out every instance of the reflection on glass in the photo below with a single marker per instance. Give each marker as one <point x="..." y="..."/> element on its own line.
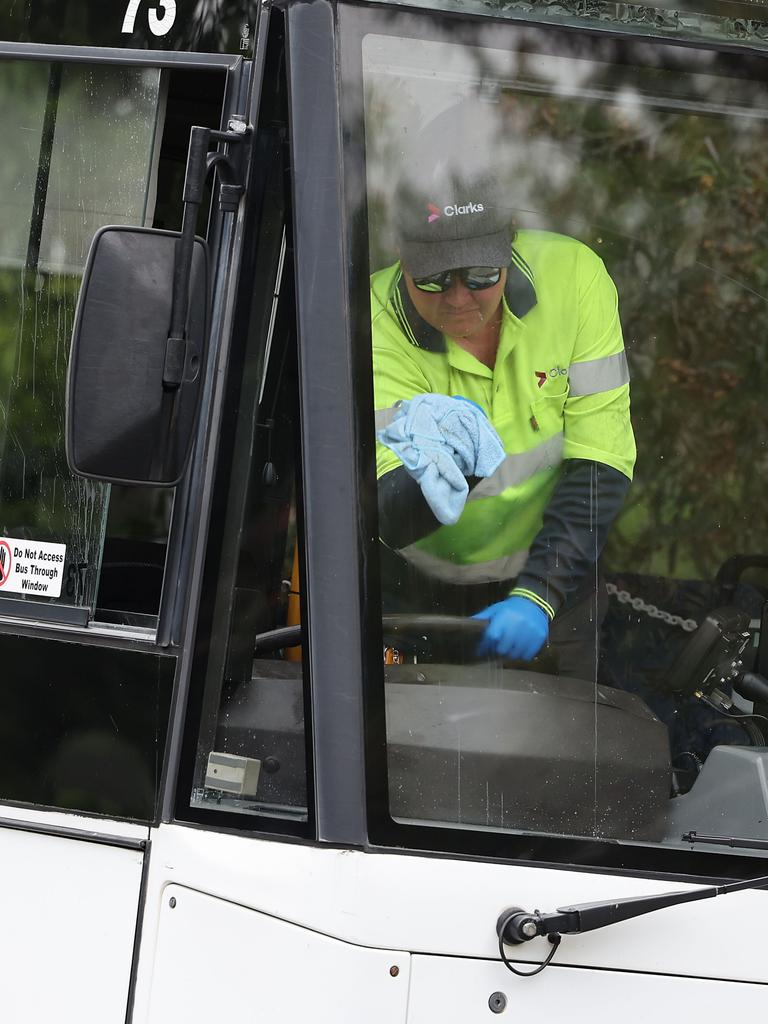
<point x="79" y="153"/>
<point x="609" y="696"/>
<point x="251" y="756"/>
<point x="714" y="21"/>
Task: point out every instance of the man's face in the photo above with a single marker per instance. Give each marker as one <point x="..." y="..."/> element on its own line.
<point x="458" y="312"/>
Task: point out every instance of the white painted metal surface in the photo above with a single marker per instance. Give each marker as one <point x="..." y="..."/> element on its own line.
<point x="73" y="820"/>
<point x="216" y="961"/>
<point x="428" y="905"/>
<point x="68" y="913"/>
<point x="451" y="991"/>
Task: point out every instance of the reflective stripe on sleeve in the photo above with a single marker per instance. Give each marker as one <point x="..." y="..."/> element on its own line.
<point x="598" y="375"/>
<point x="498" y="569"/>
<point x="521" y="466"/>
<point x="544" y="605"/>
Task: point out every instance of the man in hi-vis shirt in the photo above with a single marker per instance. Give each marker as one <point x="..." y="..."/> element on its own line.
<point x="510" y="342"/>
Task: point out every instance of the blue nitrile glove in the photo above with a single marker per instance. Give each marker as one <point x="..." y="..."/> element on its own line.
<point x="441" y="441"/>
<point x="517" y="629"/>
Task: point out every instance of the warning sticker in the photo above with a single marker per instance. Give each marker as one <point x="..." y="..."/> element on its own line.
<point x="31" y="567"/>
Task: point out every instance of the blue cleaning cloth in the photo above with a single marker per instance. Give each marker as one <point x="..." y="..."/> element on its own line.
<point x="441" y="441"/>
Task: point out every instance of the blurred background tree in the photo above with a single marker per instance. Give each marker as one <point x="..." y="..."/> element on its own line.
<point x="79" y="150"/>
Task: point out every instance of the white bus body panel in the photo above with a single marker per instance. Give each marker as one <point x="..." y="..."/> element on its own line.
<point x="437" y="909"/>
<point x="218" y="961"/>
<point x="68" y="911"/>
<point x="458" y="992"/>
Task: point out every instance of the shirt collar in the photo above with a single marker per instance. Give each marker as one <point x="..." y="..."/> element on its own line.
<point x="519" y="292"/>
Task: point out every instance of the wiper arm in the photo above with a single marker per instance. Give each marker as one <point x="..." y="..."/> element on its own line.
<point x="516" y="926"/>
<point x="735" y="843"/>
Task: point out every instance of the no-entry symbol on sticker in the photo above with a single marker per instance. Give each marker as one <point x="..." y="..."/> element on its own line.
<point x="6" y="561"/>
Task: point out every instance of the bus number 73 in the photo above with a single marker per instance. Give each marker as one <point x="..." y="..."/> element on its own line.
<point x="159" y="25"/>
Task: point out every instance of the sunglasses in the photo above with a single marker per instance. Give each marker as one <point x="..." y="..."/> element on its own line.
<point x="476" y="279"/>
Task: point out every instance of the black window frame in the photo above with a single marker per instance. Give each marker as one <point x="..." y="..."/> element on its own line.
<point x="165" y="644"/>
<point x="250" y="325"/>
<point x="168" y="632"/>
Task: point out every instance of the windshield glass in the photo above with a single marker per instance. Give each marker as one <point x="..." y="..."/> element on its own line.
<point x="566" y="238"/>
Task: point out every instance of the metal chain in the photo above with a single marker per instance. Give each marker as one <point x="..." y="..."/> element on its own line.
<point x="639" y="605"/>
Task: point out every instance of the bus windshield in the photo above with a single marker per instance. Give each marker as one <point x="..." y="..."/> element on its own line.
<point x="566" y="241"/>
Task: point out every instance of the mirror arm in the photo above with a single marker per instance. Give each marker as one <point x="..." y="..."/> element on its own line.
<point x="200" y="163"/>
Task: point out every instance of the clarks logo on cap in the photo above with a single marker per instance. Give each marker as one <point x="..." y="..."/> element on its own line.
<point x="453" y="211"/>
<point x="458" y="211"/>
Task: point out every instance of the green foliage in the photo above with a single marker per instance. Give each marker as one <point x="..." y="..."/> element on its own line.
<point x="39" y="498"/>
<point x="676" y="205"/>
<point x="95" y="160"/>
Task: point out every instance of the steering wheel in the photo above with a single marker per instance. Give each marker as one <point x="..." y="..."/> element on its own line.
<point x="418" y="632"/>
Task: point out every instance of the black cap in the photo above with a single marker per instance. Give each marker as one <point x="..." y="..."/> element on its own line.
<point x="449" y="209"/>
<point x="455" y="222"/>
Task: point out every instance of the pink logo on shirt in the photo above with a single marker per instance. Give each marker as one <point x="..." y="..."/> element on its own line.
<point x="434" y="213"/>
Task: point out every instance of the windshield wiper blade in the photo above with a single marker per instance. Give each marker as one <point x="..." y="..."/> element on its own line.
<point x="515" y="925"/>
<point x="734" y="842"/>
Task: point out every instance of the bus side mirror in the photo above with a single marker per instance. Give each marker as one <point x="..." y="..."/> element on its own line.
<point x="133" y="392"/>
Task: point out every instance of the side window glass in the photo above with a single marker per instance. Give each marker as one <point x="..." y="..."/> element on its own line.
<point x="568" y="296"/>
<point x="81" y="148"/>
<point x="249" y="757"/>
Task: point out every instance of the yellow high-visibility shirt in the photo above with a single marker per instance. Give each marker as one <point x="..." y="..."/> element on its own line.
<point x="559" y="390"/>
